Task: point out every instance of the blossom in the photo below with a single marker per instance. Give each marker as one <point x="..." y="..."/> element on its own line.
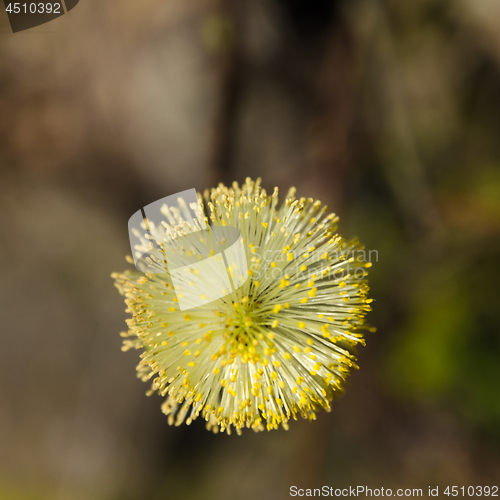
<point x="279" y="346"/>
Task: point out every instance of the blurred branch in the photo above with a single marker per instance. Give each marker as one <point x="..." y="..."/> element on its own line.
<point x="330" y="138"/>
<point x="403" y="167"/>
<point x="227" y="37"/>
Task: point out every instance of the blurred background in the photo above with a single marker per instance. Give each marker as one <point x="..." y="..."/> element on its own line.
<point x="387" y="111"/>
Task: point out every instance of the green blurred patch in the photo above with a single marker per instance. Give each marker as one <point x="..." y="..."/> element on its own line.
<point x="485" y="190"/>
<point x="447" y="352"/>
<point x="426" y="359"/>
<point x="11" y="490"/>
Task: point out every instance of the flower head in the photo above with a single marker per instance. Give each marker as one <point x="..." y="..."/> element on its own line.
<point x="278" y="346"/>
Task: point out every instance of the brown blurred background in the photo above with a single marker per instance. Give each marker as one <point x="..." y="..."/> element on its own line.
<point x="388" y="111"/>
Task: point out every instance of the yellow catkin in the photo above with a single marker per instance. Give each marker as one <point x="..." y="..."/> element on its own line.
<point x="230" y="360"/>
